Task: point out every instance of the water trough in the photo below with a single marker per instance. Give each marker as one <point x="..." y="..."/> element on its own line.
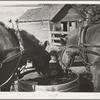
<point x="52" y="85"/>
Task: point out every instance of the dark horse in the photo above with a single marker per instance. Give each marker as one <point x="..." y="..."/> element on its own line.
<point x="11" y="57"/>
<point x="35" y="52"/>
<point x="88" y="48"/>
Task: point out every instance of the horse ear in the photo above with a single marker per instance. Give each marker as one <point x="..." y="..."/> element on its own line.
<point x="45" y="44"/>
<point x="63" y="41"/>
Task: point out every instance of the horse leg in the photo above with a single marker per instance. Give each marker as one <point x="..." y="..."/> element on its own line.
<point x="95" y="70"/>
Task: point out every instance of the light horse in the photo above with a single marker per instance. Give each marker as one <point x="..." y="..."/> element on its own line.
<point x="11" y="57"/>
<point x="67" y="53"/>
<point x="89" y="50"/>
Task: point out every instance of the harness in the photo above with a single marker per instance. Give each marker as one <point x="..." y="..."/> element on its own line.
<point x="8" y="59"/>
<point x="83" y="49"/>
<point x="61" y="61"/>
<point x="11" y="58"/>
<point x="61" y="55"/>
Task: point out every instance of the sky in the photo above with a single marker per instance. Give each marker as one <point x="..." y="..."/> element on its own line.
<point x="7" y="3"/>
<point x="4" y="3"/>
<point x="13" y="10"/>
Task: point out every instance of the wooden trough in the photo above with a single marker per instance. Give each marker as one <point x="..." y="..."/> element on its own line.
<point x="71" y="86"/>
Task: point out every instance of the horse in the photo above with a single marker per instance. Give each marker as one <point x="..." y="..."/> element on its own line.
<point x="67" y="53"/>
<point x="36" y="52"/>
<point x="12" y="58"/>
<point x="87" y="46"/>
<point x="9" y="56"/>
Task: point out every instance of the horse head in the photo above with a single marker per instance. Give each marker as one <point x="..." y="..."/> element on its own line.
<point x="36" y="52"/>
<point x="69" y="50"/>
<point x="66" y="57"/>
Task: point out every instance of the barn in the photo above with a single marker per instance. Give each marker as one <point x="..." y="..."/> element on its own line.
<point x="49" y="21"/>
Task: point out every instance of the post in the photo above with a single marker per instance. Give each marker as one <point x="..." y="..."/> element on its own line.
<point x="17" y="33"/>
<point x="10" y="21"/>
<point x="49" y="32"/>
<point x="88" y="19"/>
<point x="19" y="37"/>
<point x="68" y="28"/>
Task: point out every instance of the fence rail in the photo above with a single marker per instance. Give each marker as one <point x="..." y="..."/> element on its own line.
<point x="56" y="35"/>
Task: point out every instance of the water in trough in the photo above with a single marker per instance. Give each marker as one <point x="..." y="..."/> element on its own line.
<point x="52" y="80"/>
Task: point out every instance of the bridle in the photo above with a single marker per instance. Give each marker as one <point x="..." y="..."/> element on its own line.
<point x="18" y="54"/>
<point x="61" y="55"/>
<point x="61" y="60"/>
<point x="8" y="59"/>
<point x="83" y="49"/>
<point x="14" y="56"/>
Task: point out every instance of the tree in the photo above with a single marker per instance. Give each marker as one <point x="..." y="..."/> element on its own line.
<point x="92" y="11"/>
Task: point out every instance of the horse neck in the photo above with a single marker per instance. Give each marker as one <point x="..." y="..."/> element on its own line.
<point x="93" y="38"/>
<point x="7" y="41"/>
<point x="30" y="43"/>
<point x="92" y="35"/>
<point x="73" y="40"/>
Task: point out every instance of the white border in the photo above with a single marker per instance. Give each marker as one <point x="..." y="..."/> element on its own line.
<point x="48" y="95"/>
<point x="47" y="2"/>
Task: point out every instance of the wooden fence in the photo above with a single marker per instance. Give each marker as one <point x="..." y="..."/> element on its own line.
<point x="56" y="35"/>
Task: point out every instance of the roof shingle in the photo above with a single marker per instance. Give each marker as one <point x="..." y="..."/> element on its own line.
<point x="46" y="12"/>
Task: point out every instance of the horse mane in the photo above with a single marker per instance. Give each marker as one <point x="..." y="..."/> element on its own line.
<point x="3" y="24"/>
<point x="31" y="37"/>
<point x="11" y="31"/>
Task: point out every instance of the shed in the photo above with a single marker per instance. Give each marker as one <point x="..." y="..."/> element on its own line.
<point x="50" y="19"/>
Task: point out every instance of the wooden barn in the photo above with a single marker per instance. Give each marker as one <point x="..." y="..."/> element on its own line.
<point x="50" y="21"/>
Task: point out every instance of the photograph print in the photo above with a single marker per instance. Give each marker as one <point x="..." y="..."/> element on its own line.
<point x="49" y="47"/>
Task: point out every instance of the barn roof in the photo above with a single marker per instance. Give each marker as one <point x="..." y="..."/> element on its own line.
<point x="43" y="13"/>
<point x="53" y="12"/>
<point x="72" y="15"/>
